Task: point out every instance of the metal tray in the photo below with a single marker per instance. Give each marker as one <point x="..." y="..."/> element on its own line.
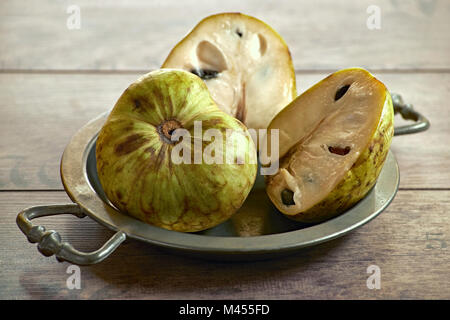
<point x="256" y="231"/>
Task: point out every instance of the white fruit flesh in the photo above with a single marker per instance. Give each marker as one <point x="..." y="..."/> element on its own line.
<point x="321" y="137"/>
<point x="252" y="75"/>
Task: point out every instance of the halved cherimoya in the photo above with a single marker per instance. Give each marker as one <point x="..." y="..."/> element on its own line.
<point x="333" y="141"/>
<point x="246" y="65"/>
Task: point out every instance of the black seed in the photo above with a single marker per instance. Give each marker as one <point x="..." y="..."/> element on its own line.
<point x="205" y="74"/>
<point x="239" y="33"/>
<point x="339" y="150"/>
<point x="341" y="91"/>
<point x="287" y="196"/>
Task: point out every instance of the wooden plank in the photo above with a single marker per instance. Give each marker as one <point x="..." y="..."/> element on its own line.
<point x="409" y="242"/>
<point x="139" y="34"/>
<point x="40" y="112"/>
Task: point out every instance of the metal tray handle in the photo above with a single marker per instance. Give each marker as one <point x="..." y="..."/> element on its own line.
<point x="49" y="242"/>
<point x="408" y="113"/>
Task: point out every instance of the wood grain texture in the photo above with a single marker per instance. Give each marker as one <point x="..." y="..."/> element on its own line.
<point x="409" y="242"/>
<point x="53" y="80"/>
<point x="40" y="112"/>
<point x="124" y="35"/>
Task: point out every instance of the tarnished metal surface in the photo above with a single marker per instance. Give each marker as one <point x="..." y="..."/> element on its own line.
<point x="256" y="231"/>
<point x="50" y="243"/>
<point x="406" y="110"/>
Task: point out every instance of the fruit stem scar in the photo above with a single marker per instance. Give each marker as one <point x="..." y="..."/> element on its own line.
<point x="167" y="128"/>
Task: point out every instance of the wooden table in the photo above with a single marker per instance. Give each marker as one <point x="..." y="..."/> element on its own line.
<point x="54" y="79"/>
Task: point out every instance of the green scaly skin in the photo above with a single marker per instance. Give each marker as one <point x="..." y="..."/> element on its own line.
<point x="134" y="160"/>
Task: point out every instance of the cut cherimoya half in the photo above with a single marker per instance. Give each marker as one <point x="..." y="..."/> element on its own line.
<point x="245" y="64"/>
<point x="333" y="141"/>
